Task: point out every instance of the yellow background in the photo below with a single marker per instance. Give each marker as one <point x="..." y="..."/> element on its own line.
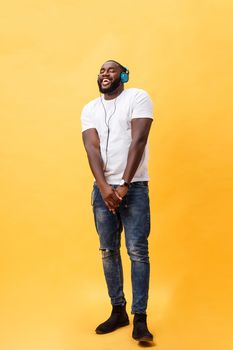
<point x="53" y="293"/>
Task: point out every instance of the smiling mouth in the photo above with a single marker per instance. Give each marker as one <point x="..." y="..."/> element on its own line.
<point x="106" y="82"/>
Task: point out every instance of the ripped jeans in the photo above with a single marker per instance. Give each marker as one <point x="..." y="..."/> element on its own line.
<point x="133" y="215"/>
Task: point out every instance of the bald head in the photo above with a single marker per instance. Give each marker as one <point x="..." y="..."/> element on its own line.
<point x="123" y="69"/>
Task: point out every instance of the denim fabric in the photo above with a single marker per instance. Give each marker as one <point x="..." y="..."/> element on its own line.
<point x="133" y="215"/>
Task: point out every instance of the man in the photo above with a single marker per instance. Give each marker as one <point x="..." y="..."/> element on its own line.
<point x="115" y="129"/>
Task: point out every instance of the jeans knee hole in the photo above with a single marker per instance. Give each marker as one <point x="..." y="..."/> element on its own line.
<point x="108" y="252"/>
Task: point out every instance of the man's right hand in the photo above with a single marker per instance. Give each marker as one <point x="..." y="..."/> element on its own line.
<point x="110" y="197"/>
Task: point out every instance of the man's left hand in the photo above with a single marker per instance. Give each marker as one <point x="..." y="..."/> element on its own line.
<point x="121" y="191"/>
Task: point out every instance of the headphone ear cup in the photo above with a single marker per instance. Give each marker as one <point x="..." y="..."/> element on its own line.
<point x="124" y="77"/>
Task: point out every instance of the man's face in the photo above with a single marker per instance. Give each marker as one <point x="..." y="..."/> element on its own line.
<point x="109" y="77"/>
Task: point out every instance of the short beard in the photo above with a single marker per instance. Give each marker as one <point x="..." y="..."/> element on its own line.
<point x="111" y="88"/>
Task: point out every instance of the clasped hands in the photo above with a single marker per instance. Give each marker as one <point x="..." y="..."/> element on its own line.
<point x="113" y="197"/>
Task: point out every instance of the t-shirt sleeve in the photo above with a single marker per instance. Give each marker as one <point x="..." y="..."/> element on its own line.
<point x="142" y="106"/>
<point x="86" y="120"/>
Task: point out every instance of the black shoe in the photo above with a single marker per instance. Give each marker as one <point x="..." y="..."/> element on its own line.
<point x="118" y="318"/>
<point x="140" y="330"/>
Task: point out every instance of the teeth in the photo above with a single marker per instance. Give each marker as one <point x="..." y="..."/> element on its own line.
<point x="105" y="81"/>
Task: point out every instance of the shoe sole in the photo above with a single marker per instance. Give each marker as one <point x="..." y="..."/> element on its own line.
<point x="119" y="326"/>
<point x="144" y="339"/>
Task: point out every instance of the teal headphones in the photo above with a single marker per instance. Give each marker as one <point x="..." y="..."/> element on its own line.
<point x="124" y="75"/>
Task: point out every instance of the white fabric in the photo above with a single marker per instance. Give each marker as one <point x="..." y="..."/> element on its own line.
<point x="131" y="103"/>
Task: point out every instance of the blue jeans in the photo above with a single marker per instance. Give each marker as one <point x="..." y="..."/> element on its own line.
<point x="133" y="215"/>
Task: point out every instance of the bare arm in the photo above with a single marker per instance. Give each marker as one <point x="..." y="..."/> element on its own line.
<point x="92" y="145"/>
<point x="140" y="128"/>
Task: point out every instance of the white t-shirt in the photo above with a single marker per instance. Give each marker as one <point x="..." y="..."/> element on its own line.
<point x="117" y="114"/>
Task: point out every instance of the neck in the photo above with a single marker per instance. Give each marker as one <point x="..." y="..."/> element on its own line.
<point x="114" y="94"/>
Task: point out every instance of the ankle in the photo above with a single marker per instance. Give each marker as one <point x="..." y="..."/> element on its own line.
<point x="119" y="308"/>
<point x="140" y="316"/>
